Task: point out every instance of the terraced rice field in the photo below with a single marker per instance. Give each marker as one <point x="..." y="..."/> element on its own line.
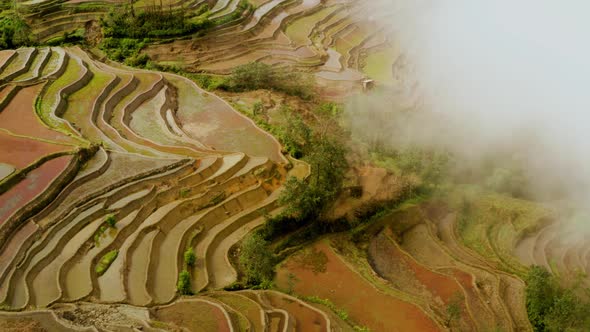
<point x="307" y="35"/>
<point x="104" y="140"/>
<point x="177" y="167"/>
<point x="411" y="266"/>
<point x="300" y="34"/>
<point x="351" y="292"/>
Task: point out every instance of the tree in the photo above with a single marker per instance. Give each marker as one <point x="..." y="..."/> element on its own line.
<point x="110" y="220"/>
<point x="540" y="293"/>
<point x="295" y="135"/>
<point x="309" y="198"/>
<point x="189" y="257"/>
<point x="257" y="259"/>
<point x="258" y="75"/>
<point x="453" y="309"/>
<point x="14" y="32"/>
<point x="184" y="283"/>
<point x="567" y="313"/>
<point x="252" y="76"/>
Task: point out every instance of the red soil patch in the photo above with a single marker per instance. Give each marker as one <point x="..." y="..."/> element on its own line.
<point x="440" y="290"/>
<point x="19" y="117"/>
<point x="349" y="291"/>
<point x="20" y="152"/>
<point x="34" y="183"/>
<point x="194" y="316"/>
<point x="437" y="284"/>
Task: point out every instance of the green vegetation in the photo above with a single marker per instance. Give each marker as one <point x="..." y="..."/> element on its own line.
<point x="110" y="220"/>
<point x="254" y="76"/>
<point x="258" y="75"/>
<point x="427" y="170"/>
<point x="189" y="257"/>
<point x="257" y="260"/>
<point x="308" y="199"/>
<point x="14" y="32"/>
<point x="125" y="50"/>
<point x="207" y="82"/>
<point x="106" y="261"/>
<point x="490" y="223"/>
<point x="553" y="308"/>
<point x="68" y="37"/>
<point x="509" y="181"/>
<point x="453" y="309"/>
<point x="242" y="7"/>
<point x="153" y="22"/>
<point x="322" y="146"/>
<point x="127" y="32"/>
<point x="342" y="314"/>
<point x="98" y="234"/>
<point x="184" y="283"/>
<point x="184" y="192"/>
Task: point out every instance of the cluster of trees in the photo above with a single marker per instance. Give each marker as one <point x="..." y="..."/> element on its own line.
<point x="15" y="32"/>
<point x="258" y="75"/>
<point x="184" y="278"/>
<point x="257" y="260"/>
<point x="309" y="198"/>
<point x="153" y="22"/>
<point x="551" y="307"/>
<point x="305" y="200"/>
<point x="126" y="32"/>
<point x="424" y="169"/>
<point x="125" y="50"/>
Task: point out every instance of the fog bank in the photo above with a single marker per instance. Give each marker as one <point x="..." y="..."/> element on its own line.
<point x="496" y="78"/>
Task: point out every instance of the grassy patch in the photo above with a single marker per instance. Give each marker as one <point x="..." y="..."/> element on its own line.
<point x="106" y="261"/>
<point x="491" y="223"/>
<point x="341" y="313"/>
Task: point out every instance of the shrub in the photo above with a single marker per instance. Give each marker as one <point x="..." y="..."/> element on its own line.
<point x="106" y="261"/>
<point x="110" y="220"/>
<point x="184" y="283"/>
<point x="552" y="308"/>
<point x="243" y="6"/>
<point x="189" y="256"/>
<point x="184" y="192"/>
<point x="139" y="60"/>
<point x="151" y="22"/>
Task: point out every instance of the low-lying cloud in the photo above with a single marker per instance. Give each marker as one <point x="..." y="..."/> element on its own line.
<point x="491" y="78"/>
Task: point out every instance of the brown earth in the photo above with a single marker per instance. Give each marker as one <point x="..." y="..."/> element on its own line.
<point x="347" y="290"/>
